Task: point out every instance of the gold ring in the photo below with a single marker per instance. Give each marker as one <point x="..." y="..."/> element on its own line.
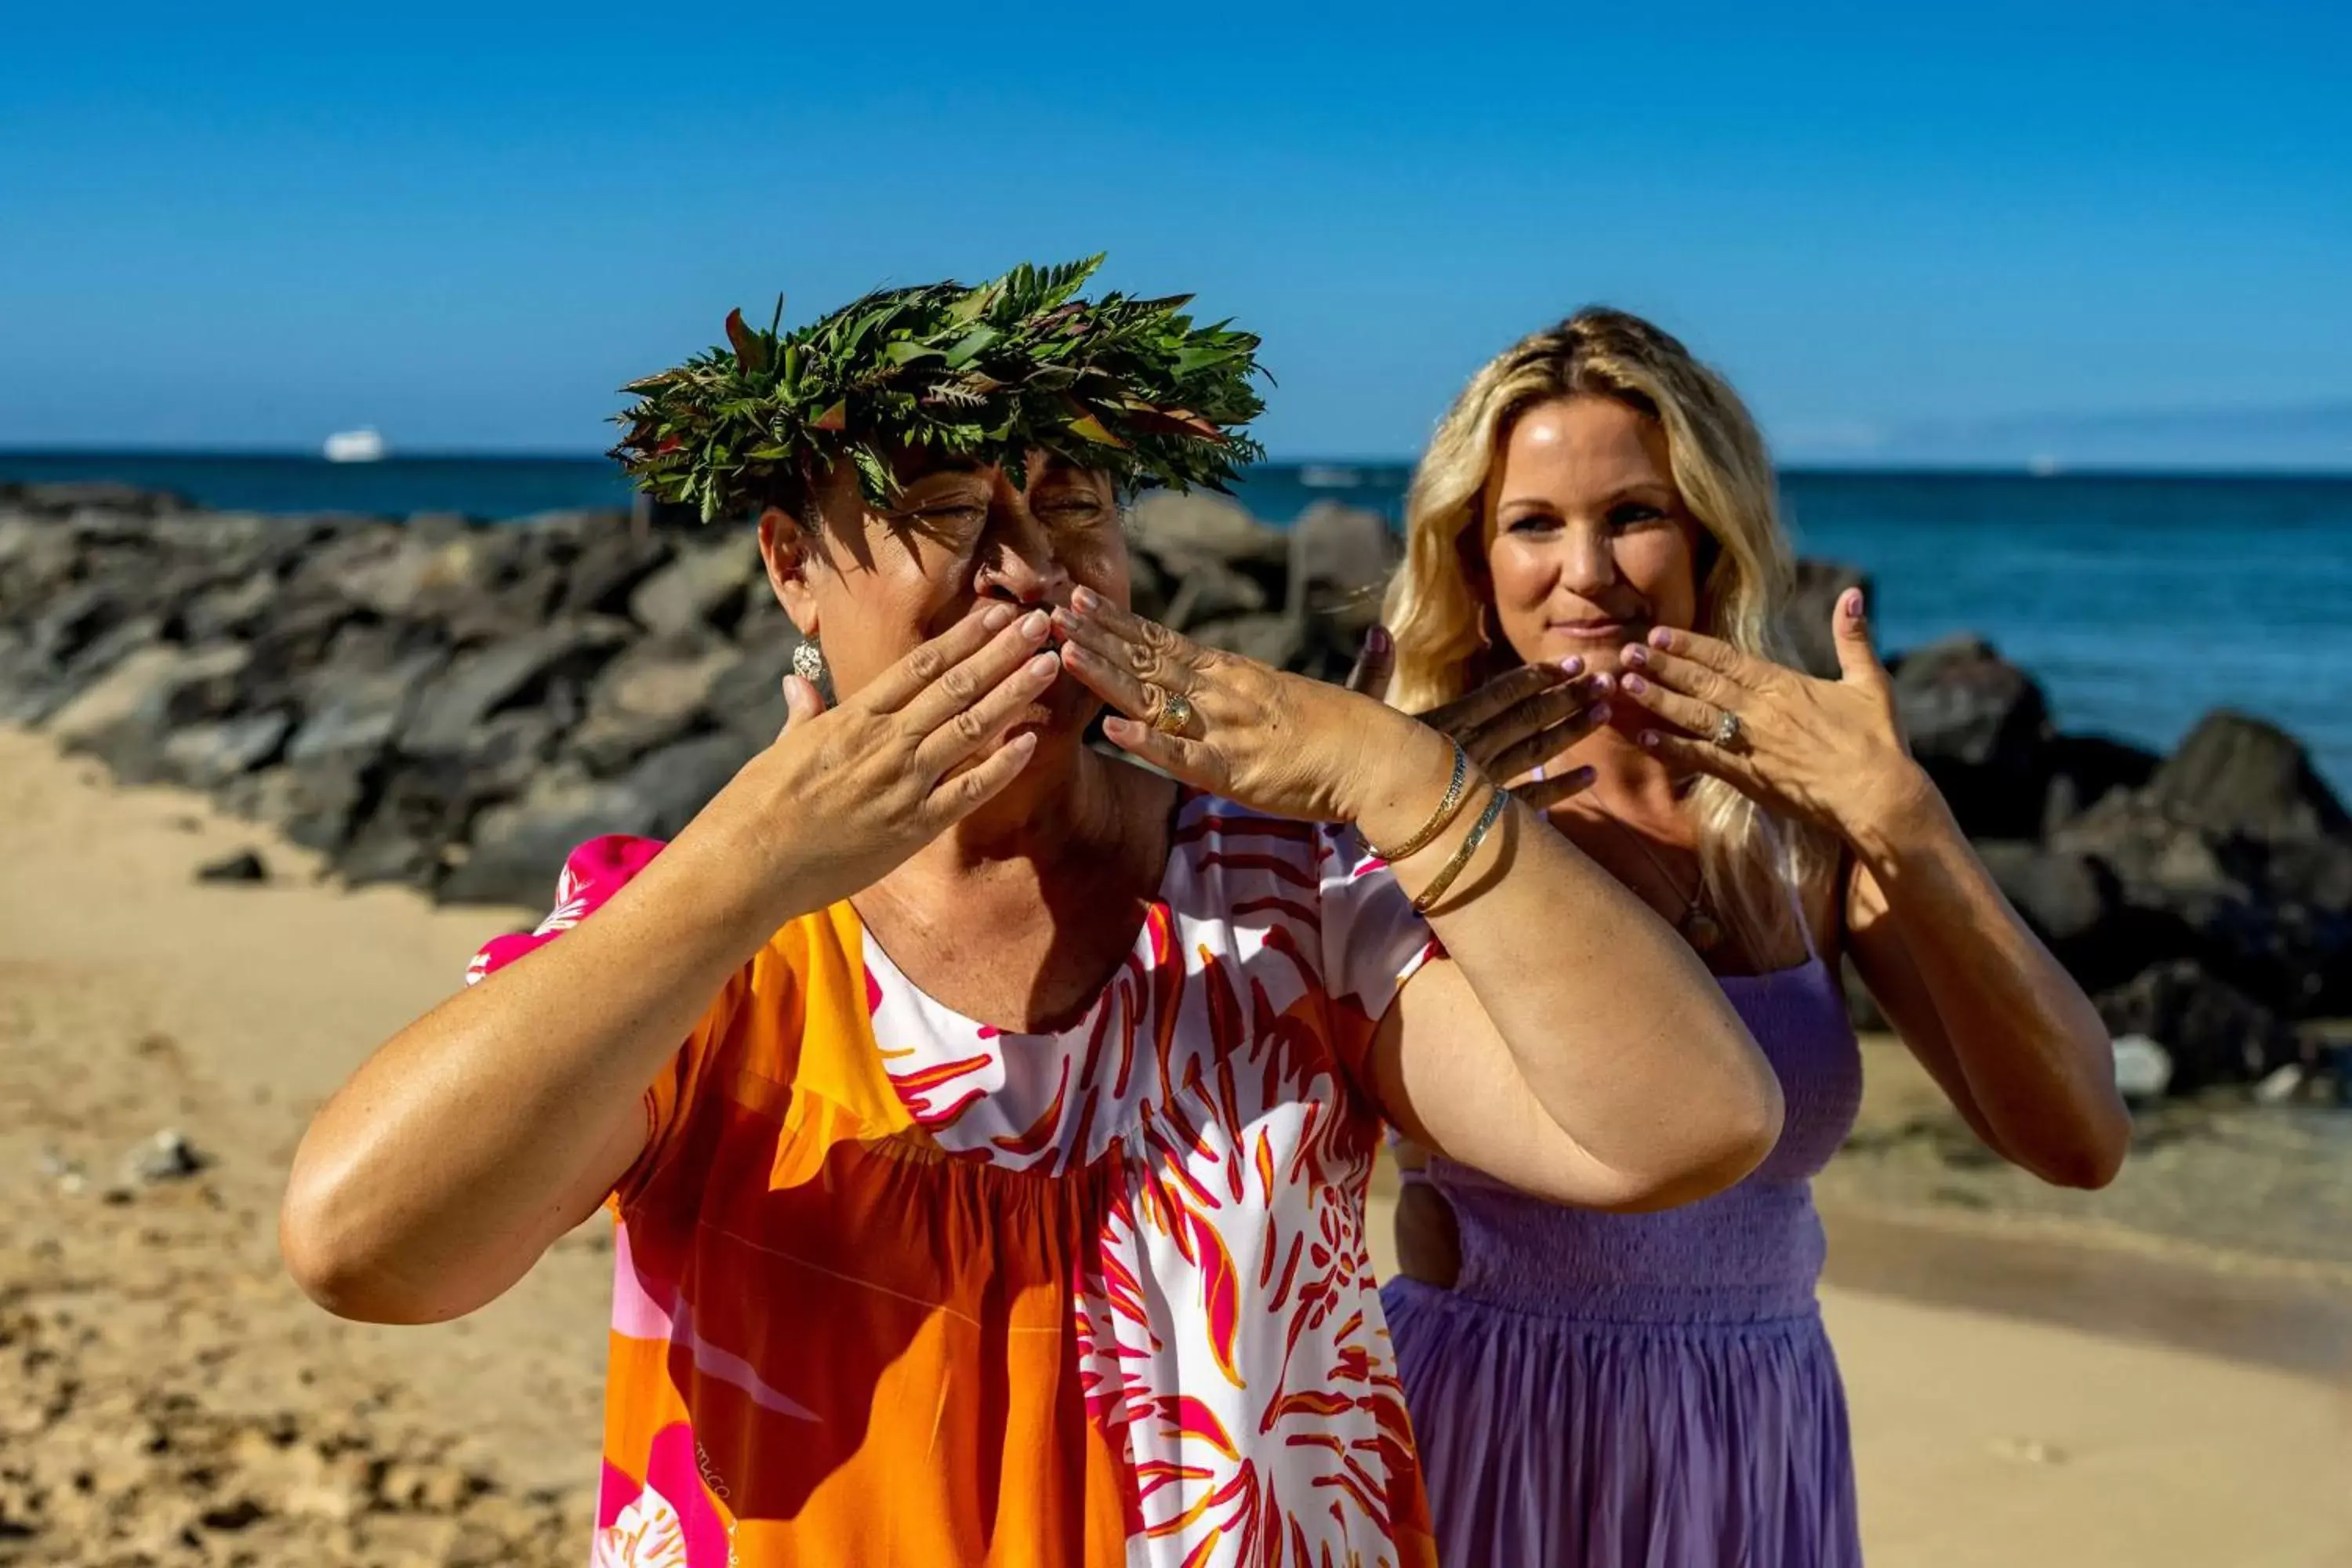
<point x="1175" y="714"/>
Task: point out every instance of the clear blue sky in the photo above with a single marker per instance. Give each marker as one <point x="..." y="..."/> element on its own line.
<point x="225" y="225"/>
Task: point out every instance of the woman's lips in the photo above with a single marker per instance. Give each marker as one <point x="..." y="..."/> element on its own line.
<point x="1593" y="630"/>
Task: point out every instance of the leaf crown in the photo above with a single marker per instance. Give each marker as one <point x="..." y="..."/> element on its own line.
<point x="1130" y="387"/>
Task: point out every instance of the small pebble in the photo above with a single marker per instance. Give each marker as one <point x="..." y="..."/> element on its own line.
<point x="245" y="866"/>
<point x="166" y="1157"/>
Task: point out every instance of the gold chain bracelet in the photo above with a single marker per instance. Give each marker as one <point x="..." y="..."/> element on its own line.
<point x="1438" y="819"/>
<point x="1452" y="868"/>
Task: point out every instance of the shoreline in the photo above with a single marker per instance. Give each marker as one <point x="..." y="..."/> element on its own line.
<point x="2018" y="1399"/>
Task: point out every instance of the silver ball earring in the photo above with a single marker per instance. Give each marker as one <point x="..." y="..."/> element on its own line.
<point x="808" y="662"/>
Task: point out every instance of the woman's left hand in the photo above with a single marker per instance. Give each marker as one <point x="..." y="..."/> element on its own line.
<point x="1827" y="752"/>
<point x="1274" y="741"/>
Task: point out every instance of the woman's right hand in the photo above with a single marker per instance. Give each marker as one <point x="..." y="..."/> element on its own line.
<point x="1511" y="725"/>
<point x="845" y="793"/>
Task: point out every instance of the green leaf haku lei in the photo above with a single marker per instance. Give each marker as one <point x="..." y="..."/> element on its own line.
<point x="1130" y="387"/>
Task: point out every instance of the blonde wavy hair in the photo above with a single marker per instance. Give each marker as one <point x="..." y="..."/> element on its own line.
<point x="1438" y="607"/>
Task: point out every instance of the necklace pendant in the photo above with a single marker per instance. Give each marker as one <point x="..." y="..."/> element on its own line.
<point x="1701" y="931"/>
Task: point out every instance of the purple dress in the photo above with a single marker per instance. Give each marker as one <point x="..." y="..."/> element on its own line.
<point x="1647" y="1391"/>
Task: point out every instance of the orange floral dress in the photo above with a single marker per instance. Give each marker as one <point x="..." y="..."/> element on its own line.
<point x="895" y="1287"/>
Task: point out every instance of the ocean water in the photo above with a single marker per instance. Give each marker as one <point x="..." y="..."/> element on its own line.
<point x="2140" y="603"/>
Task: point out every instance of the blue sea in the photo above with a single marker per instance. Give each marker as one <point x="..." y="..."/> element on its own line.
<point x="2140" y="603"/>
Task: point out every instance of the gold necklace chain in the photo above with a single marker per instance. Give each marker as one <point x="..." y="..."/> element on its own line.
<point x="1699" y="927"/>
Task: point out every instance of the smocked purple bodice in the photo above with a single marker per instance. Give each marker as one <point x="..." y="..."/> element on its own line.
<point x="1745" y="1255"/>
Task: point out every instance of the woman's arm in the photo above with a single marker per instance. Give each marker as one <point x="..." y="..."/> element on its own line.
<point x="2007" y="1032"/>
<point x="1572" y="1044"/>
<point x="1980" y="1002"/>
<point x="477" y="1136"/>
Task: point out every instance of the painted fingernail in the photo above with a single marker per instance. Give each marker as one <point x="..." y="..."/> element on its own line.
<point x="1601" y="712"/>
<point x="1636" y="684"/>
<point x="1573" y="664"/>
<point x="1604" y="682"/>
<point x="1661" y="637"/>
<point x="1119" y="729"/>
<point x="1045" y="664"/>
<point x="996" y="617"/>
<point x="1854" y="605"/>
<point x="1635" y="654"/>
<point x="1035" y="623"/>
<point x="1650" y="739"/>
<point x="1584" y="775"/>
<point x="1379" y="641"/>
<point x="1084" y="601"/>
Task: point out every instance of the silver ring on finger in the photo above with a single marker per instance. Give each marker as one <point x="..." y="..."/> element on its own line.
<point x="1729" y="733"/>
<point x="1175" y="715"/>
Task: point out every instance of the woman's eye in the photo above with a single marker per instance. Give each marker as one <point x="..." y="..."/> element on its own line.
<point x="1072" y="514"/>
<point x="1532" y="523"/>
<point x="1634" y="514"/>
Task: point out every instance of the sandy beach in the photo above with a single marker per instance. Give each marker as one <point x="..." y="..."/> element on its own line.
<point x="2083" y="1384"/>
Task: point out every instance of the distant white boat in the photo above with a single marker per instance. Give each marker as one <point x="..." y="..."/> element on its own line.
<point x="2042" y="466"/>
<point x="1321" y="477"/>
<point x="355" y="447"/>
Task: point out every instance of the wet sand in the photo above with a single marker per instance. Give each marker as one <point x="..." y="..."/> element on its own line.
<point x="2025" y="1393"/>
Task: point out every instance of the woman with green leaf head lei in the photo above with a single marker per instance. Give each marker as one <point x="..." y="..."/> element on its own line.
<point x="986" y="1119"/>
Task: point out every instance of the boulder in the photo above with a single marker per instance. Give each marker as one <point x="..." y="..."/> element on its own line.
<point x="2237" y="774"/>
<point x="2213" y="1033"/>
<point x="125" y="716"/>
<point x="2084" y="770"/>
<point x="677" y="780"/>
<point x="703" y="585"/>
<point x="1805" y="619"/>
<point x="207" y="756"/>
<point x="1213" y="591"/>
<point x="650" y="695"/>
<point x="1180" y="530"/>
<point x="1340" y="561"/>
<point x="237" y="608"/>
<point x="610" y="568"/>
<point x="362" y="703"/>
<point x="522" y="671"/>
<point x="517" y="848"/>
<point x="1981" y="728"/>
<point x="79" y="616"/>
<point x="317" y="802"/>
<point x="427" y="804"/>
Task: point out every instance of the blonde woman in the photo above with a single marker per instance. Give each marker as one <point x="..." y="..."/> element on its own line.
<point x="1611" y="1389"/>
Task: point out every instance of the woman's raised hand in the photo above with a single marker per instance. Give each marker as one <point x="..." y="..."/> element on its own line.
<point x="1511" y="725"/>
<point x="1827" y="752"/>
<point x="1276" y="742"/>
<point x="847" y="793"/>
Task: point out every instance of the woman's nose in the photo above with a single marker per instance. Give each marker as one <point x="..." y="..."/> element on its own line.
<point x="1022" y="564"/>
<point x="1588" y="564"/>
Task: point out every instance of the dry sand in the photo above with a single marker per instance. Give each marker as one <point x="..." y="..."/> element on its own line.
<point x="167" y="1396"/>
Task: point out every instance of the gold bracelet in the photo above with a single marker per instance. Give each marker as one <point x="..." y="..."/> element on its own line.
<point x="1452" y="868"/>
<point x="1438" y="818"/>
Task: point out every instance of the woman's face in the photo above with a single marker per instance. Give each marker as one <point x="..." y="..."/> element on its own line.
<point x="1588" y="543"/>
<point x="875" y="583"/>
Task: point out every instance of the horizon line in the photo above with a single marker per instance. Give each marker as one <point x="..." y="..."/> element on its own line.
<point x="1856" y="464"/>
